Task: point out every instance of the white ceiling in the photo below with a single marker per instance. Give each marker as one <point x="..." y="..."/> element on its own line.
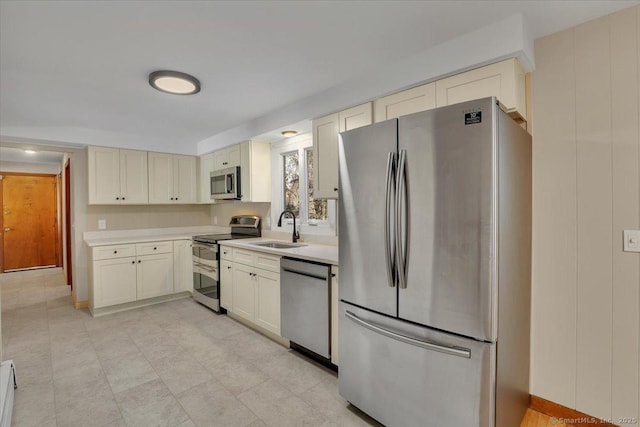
<point x="76" y="72"/>
<point x="12" y="154"/>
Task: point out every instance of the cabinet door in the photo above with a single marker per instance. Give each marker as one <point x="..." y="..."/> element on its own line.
<point x="182" y="266"/>
<point x="226" y="285"/>
<point x="206" y="165"/>
<point x="114" y="281"/>
<point x="267" y="308"/>
<point x="355" y="117"/>
<point x="335" y="315"/>
<point x="408" y="101"/>
<point x="134" y="175"/>
<point x="325" y="156"/>
<point x="160" y="178"/>
<point x="184" y="179"/>
<point x="243" y="291"/>
<point x="504" y="80"/>
<point x="155" y="275"/>
<point x="233" y="156"/>
<point x="103" y="168"/>
<point x="221" y="159"/>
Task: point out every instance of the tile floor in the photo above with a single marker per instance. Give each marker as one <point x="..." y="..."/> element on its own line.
<point x="171" y="364"/>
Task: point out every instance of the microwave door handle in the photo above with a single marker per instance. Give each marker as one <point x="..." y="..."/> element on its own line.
<point x="229" y="183"/>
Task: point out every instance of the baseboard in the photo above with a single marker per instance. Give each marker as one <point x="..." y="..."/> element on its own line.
<point x="566" y="415"/>
<point x="78" y="304"/>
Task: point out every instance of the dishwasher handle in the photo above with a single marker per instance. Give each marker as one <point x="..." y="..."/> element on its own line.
<point x="302" y="273"/>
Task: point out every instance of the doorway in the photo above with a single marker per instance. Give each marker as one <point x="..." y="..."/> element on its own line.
<point x="67" y="221"/>
<point x="29" y="221"/>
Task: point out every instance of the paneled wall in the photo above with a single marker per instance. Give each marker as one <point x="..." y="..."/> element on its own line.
<point x="586" y="190"/>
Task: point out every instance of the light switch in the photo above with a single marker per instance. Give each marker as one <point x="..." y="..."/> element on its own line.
<point x="631" y="241"/>
<point x="102" y="224"/>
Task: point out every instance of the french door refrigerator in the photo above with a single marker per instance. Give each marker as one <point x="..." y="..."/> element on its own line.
<point x="435" y="267"/>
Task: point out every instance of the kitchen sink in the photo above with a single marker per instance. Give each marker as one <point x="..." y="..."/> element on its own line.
<point x="279" y="245"/>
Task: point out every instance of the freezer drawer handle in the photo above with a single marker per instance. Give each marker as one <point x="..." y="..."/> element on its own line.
<point x="304" y="274"/>
<point x="453" y="351"/>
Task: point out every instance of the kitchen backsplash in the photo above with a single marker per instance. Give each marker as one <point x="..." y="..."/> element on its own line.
<point x="148" y="216"/>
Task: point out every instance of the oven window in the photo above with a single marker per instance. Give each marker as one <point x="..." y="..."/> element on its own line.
<point x="219" y="184"/>
<point x="208" y="286"/>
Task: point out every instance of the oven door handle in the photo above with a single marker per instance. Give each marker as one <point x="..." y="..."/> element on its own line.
<point x="205" y="267"/>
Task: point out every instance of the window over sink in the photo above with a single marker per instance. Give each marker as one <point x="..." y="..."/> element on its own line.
<point x="293" y="179"/>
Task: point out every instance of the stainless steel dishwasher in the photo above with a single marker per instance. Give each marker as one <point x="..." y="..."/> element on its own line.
<point x="305" y="295"/>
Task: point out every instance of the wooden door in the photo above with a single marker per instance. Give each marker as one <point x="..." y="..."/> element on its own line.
<point x="30" y="226"/>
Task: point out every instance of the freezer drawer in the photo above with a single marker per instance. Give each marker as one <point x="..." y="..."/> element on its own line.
<point x="405" y="375"/>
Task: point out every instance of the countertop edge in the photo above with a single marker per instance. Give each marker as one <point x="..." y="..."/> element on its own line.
<point x="309" y="252"/>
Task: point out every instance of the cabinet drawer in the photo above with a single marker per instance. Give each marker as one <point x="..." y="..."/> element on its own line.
<point x="226" y="253"/>
<point x="243" y="256"/>
<point x="149" y="248"/>
<point x="267" y="262"/>
<point x="113" y="251"/>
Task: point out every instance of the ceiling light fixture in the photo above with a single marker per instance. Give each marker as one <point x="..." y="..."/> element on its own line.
<point x="174" y="82"/>
<point x="30" y="151"/>
<point x="289" y="133"/>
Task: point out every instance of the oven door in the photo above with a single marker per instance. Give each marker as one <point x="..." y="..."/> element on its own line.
<point x="206" y="255"/>
<point x="205" y="285"/>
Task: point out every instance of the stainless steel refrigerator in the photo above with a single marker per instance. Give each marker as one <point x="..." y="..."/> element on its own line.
<point x="435" y="267"/>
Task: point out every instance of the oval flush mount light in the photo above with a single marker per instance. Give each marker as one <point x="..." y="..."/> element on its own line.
<point x="30" y="151"/>
<point x="174" y="82"/>
<point x="289" y="133"/>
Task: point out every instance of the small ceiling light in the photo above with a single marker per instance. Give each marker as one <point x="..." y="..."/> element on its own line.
<point x="174" y="82"/>
<point x="30" y="151"/>
<point x="289" y="133"/>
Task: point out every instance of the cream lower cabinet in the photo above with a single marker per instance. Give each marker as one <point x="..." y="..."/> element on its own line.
<point x="137" y="271"/>
<point x="114" y="281"/>
<point x="255" y="287"/>
<point x="335" y="315"/>
<point x="182" y="266"/>
<point x="226" y="284"/>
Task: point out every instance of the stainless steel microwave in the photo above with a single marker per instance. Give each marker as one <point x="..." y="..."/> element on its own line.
<point x="225" y="184"/>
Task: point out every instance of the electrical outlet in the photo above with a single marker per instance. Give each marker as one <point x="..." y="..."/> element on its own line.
<point x="102" y="224"/>
<point x="631" y="241"/>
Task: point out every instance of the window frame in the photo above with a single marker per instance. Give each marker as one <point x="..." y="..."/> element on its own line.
<point x="300" y="143"/>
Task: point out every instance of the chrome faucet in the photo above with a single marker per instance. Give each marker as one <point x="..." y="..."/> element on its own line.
<point x="296" y="235"/>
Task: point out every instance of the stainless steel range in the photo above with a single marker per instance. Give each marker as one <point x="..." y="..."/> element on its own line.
<point x="206" y="258"/>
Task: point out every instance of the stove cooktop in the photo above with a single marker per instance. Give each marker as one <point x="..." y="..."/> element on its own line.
<point x="215" y="238"/>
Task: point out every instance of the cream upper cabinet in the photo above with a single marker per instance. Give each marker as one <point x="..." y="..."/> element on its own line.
<point x="117" y="176"/>
<point x="255" y="171"/>
<point x="184" y="179"/>
<point x="408" y="101"/>
<point x="227" y="157"/>
<point x="205" y="167"/>
<point x="505" y="80"/>
<point x="172" y="178"/>
<point x="325" y="146"/>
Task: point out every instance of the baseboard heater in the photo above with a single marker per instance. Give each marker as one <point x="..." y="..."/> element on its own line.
<point x="7" y="391"/>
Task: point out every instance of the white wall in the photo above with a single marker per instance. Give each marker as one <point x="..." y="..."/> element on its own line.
<point x="49" y="168"/>
<point x="586" y="190"/>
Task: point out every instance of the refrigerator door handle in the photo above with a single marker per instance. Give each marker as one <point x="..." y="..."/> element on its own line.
<point x="400" y="251"/>
<point x="391" y="170"/>
<point x="452" y="351"/>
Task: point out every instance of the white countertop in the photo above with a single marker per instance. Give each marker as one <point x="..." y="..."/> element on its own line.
<point x="121" y="237"/>
<point x="311" y="252"/>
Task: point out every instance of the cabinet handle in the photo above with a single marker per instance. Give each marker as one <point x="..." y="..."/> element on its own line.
<point x="176" y="198"/>
<point x="139" y="261"/>
<point x="133" y="262"/>
<point x="172" y="198"/>
<point x="115" y="252"/>
<point x="117" y="198"/>
<point x="228" y="267"/>
<point x="123" y="198"/>
<point x="335" y="189"/>
<point x="155" y="249"/>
